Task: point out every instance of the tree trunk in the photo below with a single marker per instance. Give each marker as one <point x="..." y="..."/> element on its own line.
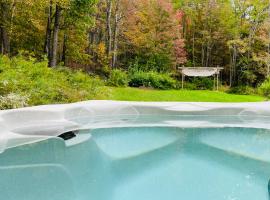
<point x="202" y="55"/>
<point x="4" y="40"/>
<point x="12" y="14"/>
<point x="233" y="66"/>
<point x="193" y="48"/>
<point x="64" y="49"/>
<point x="108" y="26"/>
<point x="92" y="39"/>
<point x="207" y="54"/>
<point x="4" y="7"/>
<point x="53" y="54"/>
<point x="115" y="38"/>
<point x="1" y="42"/>
<point x="47" y="45"/>
<point x="230" y="78"/>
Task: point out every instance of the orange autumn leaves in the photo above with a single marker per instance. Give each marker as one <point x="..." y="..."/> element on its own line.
<point x="154" y="27"/>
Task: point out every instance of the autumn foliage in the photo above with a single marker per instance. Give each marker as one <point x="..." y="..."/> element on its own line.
<point x="153" y="33"/>
<point x="142" y="35"/>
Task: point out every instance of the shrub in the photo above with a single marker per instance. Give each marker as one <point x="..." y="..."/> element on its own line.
<point x="12" y="101"/>
<point x="244" y="90"/>
<point x="203" y="83"/>
<point x="198" y="83"/>
<point x="151" y="79"/>
<point x="264" y="89"/>
<point x="118" y="78"/>
<point x="43" y="85"/>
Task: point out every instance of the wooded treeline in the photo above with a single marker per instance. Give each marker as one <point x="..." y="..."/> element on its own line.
<point x="142" y="35"/>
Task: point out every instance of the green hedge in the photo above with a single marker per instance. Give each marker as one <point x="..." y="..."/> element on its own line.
<point x="151" y="79"/>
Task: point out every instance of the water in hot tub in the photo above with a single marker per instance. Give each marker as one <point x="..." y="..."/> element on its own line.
<point x="146" y="163"/>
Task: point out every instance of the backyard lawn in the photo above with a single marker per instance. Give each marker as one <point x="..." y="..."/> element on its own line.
<point x="134" y="94"/>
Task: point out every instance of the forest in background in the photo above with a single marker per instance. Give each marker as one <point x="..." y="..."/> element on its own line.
<point x="142" y="42"/>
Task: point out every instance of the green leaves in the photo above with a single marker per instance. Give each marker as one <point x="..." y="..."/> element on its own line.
<point x="118" y="78"/>
<point x="153" y="35"/>
<point x="37" y="84"/>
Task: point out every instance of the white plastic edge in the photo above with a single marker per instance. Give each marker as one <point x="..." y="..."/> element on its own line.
<point x="33" y="124"/>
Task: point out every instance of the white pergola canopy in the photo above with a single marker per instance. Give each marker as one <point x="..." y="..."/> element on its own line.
<point x="200" y="72"/>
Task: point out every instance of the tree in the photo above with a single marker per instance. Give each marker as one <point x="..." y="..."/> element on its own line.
<point x="152" y="33"/>
<point x="148" y="35"/>
<point x="47" y="44"/>
<point x="5" y="15"/>
<point x="56" y="27"/>
<point x="68" y="16"/>
<point x="108" y="26"/>
<point x="117" y="19"/>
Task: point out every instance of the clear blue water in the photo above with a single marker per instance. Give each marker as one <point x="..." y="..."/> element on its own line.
<point x="141" y="164"/>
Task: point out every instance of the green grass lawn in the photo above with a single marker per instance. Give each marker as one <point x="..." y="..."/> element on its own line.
<point x="135" y="94"/>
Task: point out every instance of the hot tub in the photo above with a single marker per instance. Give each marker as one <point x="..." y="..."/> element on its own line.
<point x="131" y="151"/>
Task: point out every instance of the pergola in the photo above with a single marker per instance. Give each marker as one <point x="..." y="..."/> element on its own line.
<point x="201" y="72"/>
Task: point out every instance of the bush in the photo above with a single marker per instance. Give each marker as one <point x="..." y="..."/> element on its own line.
<point x="118" y="78"/>
<point x="203" y="83"/>
<point x="43" y="85"/>
<point x="155" y="62"/>
<point x="264" y="89"/>
<point x="12" y="101"/>
<point x="198" y="83"/>
<point x="244" y="90"/>
<point x="151" y="79"/>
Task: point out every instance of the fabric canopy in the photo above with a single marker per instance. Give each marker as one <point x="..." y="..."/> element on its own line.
<point x="200" y="71"/>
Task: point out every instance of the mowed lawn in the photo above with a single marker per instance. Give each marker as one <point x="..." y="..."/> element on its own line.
<point x="135" y="94"/>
